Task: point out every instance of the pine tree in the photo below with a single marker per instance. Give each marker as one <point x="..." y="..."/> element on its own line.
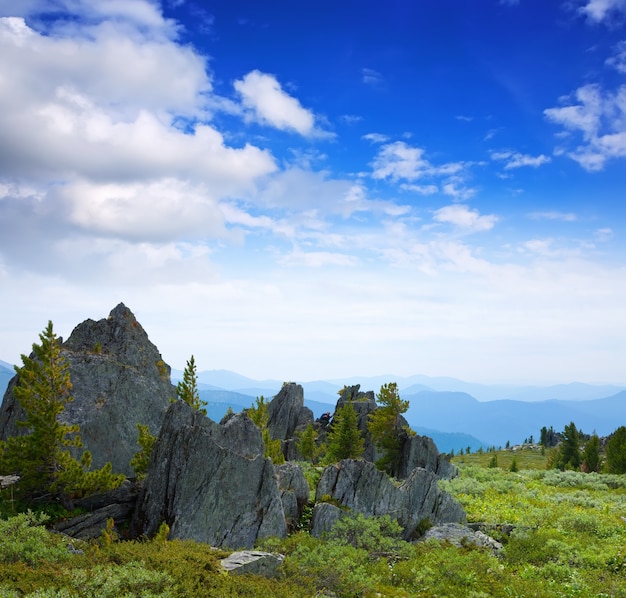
<point x="141" y="459"/>
<point x="187" y="388"/>
<point x="616" y="451"/>
<point x="307" y="445"/>
<point x="259" y="414"/>
<point x="42" y="457"/>
<point x="386" y="429"/>
<point x="591" y="455"/>
<point x="569" y="452"/>
<point x="344" y="438"/>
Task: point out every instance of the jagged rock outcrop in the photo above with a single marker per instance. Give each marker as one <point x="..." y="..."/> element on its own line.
<point x="421" y="451"/>
<point x="364" y="404"/>
<point x="294" y="491"/>
<point x="362" y="488"/>
<point x="210" y="482"/>
<point x="417" y="451"/>
<point x="288" y="415"/>
<point x="119" y="380"/>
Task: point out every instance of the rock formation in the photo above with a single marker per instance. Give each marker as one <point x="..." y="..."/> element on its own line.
<point x="210" y="482"/>
<point x="294" y="491"/>
<point x="119" y="380"/>
<point x="417" y="451"/>
<point x="362" y="488"/>
<point x="288" y="415"/>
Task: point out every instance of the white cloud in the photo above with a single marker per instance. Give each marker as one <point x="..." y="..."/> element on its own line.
<point x="268" y="104"/>
<point x="563" y="216"/>
<point x="375" y="137"/>
<point x="463" y="218"/>
<point x="618" y="61"/>
<point x="421" y="189"/>
<point x="601" y="10"/>
<point x="600" y="116"/>
<point x="400" y="161"/>
<point x="318" y="259"/>
<point x="518" y="160"/>
<point x="604" y="234"/>
<point x="371" y="77"/>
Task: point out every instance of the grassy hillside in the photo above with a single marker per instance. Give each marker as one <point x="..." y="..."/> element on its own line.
<point x="563" y="535"/>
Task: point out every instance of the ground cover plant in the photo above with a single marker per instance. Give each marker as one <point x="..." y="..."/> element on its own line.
<point x="562" y="534"/>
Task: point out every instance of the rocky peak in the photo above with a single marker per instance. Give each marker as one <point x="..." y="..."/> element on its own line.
<point x="119" y="380"/>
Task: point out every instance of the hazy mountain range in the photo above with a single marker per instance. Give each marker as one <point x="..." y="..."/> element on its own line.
<point x="454" y="413"/>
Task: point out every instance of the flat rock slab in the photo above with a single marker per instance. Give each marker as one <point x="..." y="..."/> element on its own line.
<point x="253" y="562"/>
<point x="461" y="535"/>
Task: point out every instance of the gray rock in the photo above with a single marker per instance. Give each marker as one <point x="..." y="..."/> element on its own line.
<point x="253" y="562"/>
<point x="364" y="489"/>
<point x="417" y="451"/>
<point x="119" y="505"/>
<point x="325" y="515"/>
<point x="421" y="451"/>
<point x="119" y="380"/>
<point x="461" y="535"/>
<point x="294" y="491"/>
<point x="210" y="482"/>
<point x="364" y="404"/>
<point x="288" y="415"/>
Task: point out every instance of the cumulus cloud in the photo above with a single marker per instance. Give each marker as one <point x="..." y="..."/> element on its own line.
<point x="400" y="161"/>
<point x="518" y="160"/>
<point x="463" y="218"/>
<point x="267" y="103"/>
<point x="601" y="10"/>
<point x="600" y="117"/>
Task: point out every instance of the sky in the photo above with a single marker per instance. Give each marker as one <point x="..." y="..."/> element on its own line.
<point x="310" y="190"/>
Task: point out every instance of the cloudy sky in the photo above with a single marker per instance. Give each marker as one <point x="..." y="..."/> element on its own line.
<point x="305" y="190"/>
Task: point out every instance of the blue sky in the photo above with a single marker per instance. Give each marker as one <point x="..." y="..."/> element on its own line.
<point x="305" y="190"/>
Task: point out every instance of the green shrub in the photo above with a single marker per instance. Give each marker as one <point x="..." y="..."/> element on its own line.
<point x="24" y="538"/>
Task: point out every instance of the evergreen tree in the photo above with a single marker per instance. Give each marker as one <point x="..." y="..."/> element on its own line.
<point x="568" y="456"/>
<point x="386" y="428"/>
<point x="187" y="388"/>
<point x="615" y="451"/>
<point x="591" y="455"/>
<point x="513" y="467"/>
<point x="259" y="414"/>
<point x="307" y="445"/>
<point x="344" y="438"/>
<point x="141" y="459"/>
<point x="42" y="457"/>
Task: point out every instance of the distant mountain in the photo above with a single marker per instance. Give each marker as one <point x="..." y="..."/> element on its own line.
<point x="447" y="441"/>
<point x="496" y="422"/>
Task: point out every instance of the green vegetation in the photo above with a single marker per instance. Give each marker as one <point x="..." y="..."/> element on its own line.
<point x="307" y="445"/>
<point x="141" y="459"/>
<point x="187" y="388"/>
<point x="42" y="457"/>
<point x="562" y="536"/>
<point x="344" y="437"/>
<point x="259" y="414"/>
<point x="616" y="451"/>
<point x="386" y="429"/>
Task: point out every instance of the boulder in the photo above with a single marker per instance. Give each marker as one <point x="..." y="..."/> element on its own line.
<point x="119" y="379"/>
<point x="288" y="415"/>
<point x="461" y="535"/>
<point x="253" y="562"/>
<point x="362" y="488"/>
<point x="210" y="482"/>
